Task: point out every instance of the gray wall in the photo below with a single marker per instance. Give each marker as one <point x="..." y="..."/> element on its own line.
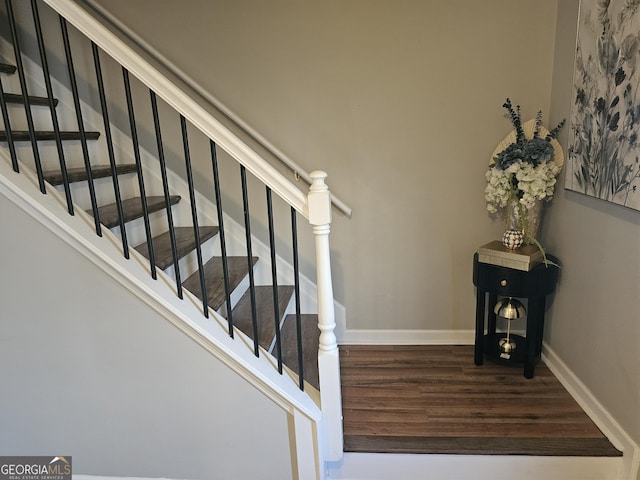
<point x="88" y="370"/>
<point x="594" y="320"/>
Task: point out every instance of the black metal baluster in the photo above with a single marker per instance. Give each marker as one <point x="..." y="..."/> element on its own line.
<point x="109" y="140"/>
<point x="223" y="245"/>
<point x="252" y="288"/>
<point x="81" y="130"/>
<point x="194" y="214"/>
<point x="7" y="128"/>
<point x="136" y="154"/>
<point x="52" y="106"/>
<point x="165" y="187"/>
<point x="296" y="277"/>
<point x="274" y="278"/>
<point x="25" y="95"/>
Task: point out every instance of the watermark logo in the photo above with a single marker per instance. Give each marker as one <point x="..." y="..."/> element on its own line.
<point x="35" y="468"/>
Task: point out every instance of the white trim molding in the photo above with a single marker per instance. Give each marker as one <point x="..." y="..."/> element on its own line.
<point x="630" y="465"/>
<point x="390" y="466"/>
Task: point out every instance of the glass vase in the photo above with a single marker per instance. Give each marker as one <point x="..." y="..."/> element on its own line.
<point x="525" y="220"/>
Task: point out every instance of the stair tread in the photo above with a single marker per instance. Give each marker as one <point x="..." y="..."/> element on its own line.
<point x="238" y="269"/>
<point x="185" y="243"/>
<point x="6" y="68"/>
<point x="310" y="344"/>
<point x="242" y="318"/>
<point x="79" y="174"/>
<point x="18" y="98"/>
<point x="23" y="135"/>
<point x="132" y="209"/>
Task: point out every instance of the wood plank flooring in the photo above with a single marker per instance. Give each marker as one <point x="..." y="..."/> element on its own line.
<point x="433" y="399"/>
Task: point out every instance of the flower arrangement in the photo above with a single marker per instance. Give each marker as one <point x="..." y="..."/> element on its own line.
<point x="524" y="167"/>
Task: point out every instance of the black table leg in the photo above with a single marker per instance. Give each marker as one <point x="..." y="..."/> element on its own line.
<point x="535" y="318"/>
<point x="479" y="345"/>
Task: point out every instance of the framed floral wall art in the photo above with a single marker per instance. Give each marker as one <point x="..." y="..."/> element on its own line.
<point x="604" y="145"/>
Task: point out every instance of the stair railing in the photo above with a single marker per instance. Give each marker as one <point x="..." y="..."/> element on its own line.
<point x="297" y="170"/>
<point x="315" y="206"/>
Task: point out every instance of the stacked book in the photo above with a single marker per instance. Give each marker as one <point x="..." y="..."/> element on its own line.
<point x="524" y="258"/>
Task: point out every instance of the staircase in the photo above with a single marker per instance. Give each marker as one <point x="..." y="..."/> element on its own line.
<point x="169" y="247"/>
<point x="242" y="272"/>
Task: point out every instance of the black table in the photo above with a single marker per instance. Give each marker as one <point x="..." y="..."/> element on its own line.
<point x="534" y="285"/>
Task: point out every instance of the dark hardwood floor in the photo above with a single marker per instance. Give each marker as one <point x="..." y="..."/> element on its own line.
<point x="433" y="399"/>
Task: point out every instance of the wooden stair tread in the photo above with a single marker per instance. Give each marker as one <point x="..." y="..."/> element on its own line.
<point x="132" y="209"/>
<point x="18" y="98"/>
<point x="6" y="68"/>
<point x="185" y="243"/>
<point x="23" y="135"/>
<point x="242" y="318"/>
<point x="575" y="447"/>
<point x="238" y="269"/>
<point x="79" y="174"/>
<point x="310" y="344"/>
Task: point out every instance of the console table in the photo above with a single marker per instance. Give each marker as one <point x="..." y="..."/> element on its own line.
<point x="534" y="285"/>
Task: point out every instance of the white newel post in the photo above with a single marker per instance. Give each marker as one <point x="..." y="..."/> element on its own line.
<point x="328" y="358"/>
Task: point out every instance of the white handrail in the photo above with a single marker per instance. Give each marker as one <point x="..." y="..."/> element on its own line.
<point x="297" y="170"/>
<point x="181" y="102"/>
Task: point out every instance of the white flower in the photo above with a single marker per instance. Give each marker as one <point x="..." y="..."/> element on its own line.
<point x="520" y="180"/>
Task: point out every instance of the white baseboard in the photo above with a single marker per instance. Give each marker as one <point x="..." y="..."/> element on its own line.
<point x="389" y="466"/>
<point x="630" y="465"/>
<point x="406" y="337"/>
